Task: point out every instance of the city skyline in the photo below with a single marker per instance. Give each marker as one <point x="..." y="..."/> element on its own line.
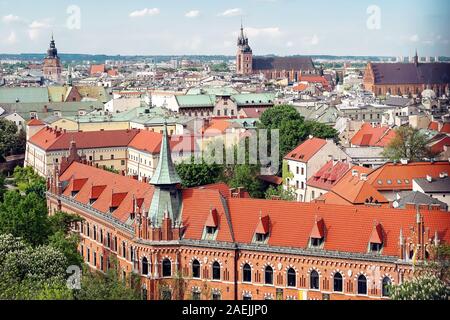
<point x="281" y="27"/>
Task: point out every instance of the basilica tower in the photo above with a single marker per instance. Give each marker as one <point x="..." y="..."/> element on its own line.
<point x="244" y="57"/>
<point x="52" y="64"/>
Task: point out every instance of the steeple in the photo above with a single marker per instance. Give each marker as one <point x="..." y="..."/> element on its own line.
<point x="416" y="59"/>
<point x="165" y="173"/>
<point x="166" y="201"/>
<point x="52" y="52"/>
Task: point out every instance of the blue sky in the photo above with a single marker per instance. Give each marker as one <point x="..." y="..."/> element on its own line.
<point x="282" y="27"/>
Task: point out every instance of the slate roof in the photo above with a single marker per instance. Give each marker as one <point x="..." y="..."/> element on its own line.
<point x="283" y="63"/>
<point x="409" y="73"/>
<point x="417" y="198"/>
<point x="438" y="185"/>
<point x="24" y="95"/>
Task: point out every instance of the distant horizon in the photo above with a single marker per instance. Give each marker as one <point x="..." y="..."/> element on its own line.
<point x="197" y="27"/>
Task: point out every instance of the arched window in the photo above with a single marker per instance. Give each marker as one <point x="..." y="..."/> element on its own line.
<point x="337" y="282"/>
<point x="268" y="275"/>
<point x="362" y="285"/>
<point x="166" y="268"/>
<point x="216" y="270"/>
<point x="195" y="269"/>
<point x="314" y="280"/>
<point x="144" y="266"/>
<point x="291" y="278"/>
<point x="385" y="287"/>
<point x="144" y="293"/>
<point x="247" y="273"/>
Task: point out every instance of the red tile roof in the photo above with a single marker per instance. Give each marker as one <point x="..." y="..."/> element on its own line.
<point x="352" y="189"/>
<point x="318" y="231"/>
<point x="35" y="122"/>
<point x="97" y="68"/>
<point x="345" y="228"/>
<point x="438" y="146"/>
<point x="117" y="184"/>
<point x="348" y="228"/>
<point x="253" y="112"/>
<point x="328" y="175"/>
<point x="377" y="234"/>
<point x="147" y="141"/>
<point x="399" y="176"/>
<point x="52" y="140"/>
<point x="446" y="128"/>
<point x="315" y="79"/>
<point x="306" y="150"/>
<point x="369" y="136"/>
<point x="433" y="126"/>
<point x="263" y="226"/>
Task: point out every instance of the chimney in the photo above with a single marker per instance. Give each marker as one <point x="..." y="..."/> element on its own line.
<point x="429" y="178"/>
<point x="363" y="177"/>
<point x="354" y="173"/>
<point x="404" y="161"/>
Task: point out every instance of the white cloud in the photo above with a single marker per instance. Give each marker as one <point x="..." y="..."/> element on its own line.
<point x="231" y="12"/>
<point x="414" y="38"/>
<point x="145" y="12"/>
<point x="36" y="27"/>
<point x="12" y="38"/>
<point x="289" y="44"/>
<point x="315" y="40"/>
<point x="192" y="14"/>
<point x="10" y="18"/>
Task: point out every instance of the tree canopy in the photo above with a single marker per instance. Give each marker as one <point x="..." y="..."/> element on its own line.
<point x="12" y="141"/>
<point x="408" y="143"/>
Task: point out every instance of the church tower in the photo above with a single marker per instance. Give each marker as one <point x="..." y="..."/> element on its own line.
<point x="244" y="58"/>
<point x="52" y="64"/>
<point x="166" y="201"/>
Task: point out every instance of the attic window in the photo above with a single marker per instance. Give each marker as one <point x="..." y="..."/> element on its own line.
<point x="317" y="237"/>
<point x="376" y="239"/>
<point x="211" y="225"/>
<point x="262" y="231"/>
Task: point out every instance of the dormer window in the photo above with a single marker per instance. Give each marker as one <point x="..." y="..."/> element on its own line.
<point x="317" y="236"/>
<point x="376" y="239"/>
<point x="262" y="231"/>
<point x="211" y="225"/>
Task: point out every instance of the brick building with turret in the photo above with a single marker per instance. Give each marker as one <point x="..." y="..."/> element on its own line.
<point x="213" y="242"/>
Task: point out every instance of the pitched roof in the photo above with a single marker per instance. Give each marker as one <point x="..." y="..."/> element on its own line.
<point x="437" y="185"/>
<point x="147" y="141"/>
<point x="399" y="176"/>
<point x="283" y="63"/>
<point x="97" y="68"/>
<point x="329" y="175"/>
<point x="445" y="128"/>
<point x="409" y="73"/>
<point x="196" y="100"/>
<point x="417" y="198"/>
<point x="24" y="95"/>
<point x="251" y="112"/>
<point x="348" y="228"/>
<point x="352" y="189"/>
<point x="306" y="150"/>
<point x="51" y="140"/>
<point x="35" y="122"/>
<point x="373" y="136"/>
<point x="117" y="187"/>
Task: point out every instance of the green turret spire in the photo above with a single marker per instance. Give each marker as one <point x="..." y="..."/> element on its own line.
<point x="165" y="173"/>
<point x="166" y="199"/>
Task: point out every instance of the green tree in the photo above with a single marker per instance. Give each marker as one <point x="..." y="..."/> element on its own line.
<point x="28" y="181"/>
<point x="2" y="187"/>
<point x="198" y="174"/>
<point x="409" y="144"/>
<point x="25" y="217"/>
<point x="245" y="176"/>
<point x="96" y="286"/>
<point x="281" y="193"/>
<point x="8" y="137"/>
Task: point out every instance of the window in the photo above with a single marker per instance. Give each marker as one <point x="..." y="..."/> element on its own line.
<point x="101" y="235"/>
<point x="211" y="230"/>
<point x="144" y="266"/>
<point x="195" y="269"/>
<point x="291" y="278"/>
<point x="124" y="249"/>
<point x="261" y="237"/>
<point x="216" y="271"/>
<point x="247" y="273"/>
<point x="316" y="242"/>
<point x="385" y="287"/>
<point x="95" y="233"/>
<point x="375" y="247"/>
<point x="88" y="255"/>
<point x="94" y="254"/>
<point x="144" y="293"/>
<point x="101" y="263"/>
<point x="314" y="280"/>
<point x="112" y="157"/>
<point x="362" y="285"/>
<point x="268" y="275"/>
<point x="337" y="282"/>
<point x="216" y="296"/>
<point x="101" y="158"/>
<point x="88" y="230"/>
<point x="166" y="268"/>
<point x="247" y="297"/>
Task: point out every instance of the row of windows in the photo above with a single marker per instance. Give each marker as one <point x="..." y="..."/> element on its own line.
<point x="314" y="280"/>
<point x="167" y="269"/>
<point x="97" y="234"/>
